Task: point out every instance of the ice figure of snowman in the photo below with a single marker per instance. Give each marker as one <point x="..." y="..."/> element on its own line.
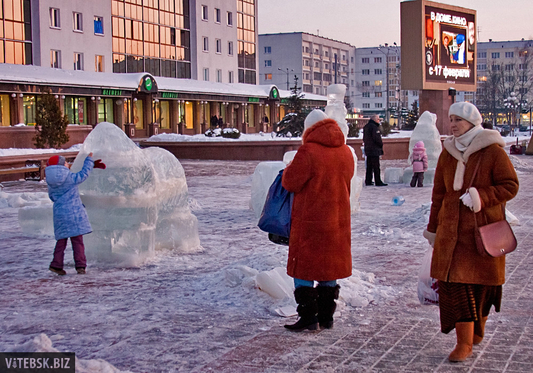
<point x="138" y="204"/>
<point x="427" y="132"/>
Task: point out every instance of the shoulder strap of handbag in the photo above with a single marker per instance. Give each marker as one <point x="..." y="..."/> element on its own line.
<point x="472" y="182"/>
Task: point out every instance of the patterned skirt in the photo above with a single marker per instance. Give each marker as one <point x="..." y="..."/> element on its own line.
<point x="466" y="302"/>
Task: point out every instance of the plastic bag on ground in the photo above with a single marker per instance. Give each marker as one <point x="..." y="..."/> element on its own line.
<point x="428" y="287"/>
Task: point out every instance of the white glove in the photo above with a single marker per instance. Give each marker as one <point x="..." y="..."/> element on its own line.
<point x="467" y="201"/>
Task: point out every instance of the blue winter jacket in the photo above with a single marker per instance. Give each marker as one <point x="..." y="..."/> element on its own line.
<point x="70" y="217"/>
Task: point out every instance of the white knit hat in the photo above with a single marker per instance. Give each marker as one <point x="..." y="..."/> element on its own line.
<point x="467" y="111"/>
<point x="314" y="117"/>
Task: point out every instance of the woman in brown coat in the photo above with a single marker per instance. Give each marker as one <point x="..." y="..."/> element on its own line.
<point x="469" y="284"/>
<point x="320" y="240"/>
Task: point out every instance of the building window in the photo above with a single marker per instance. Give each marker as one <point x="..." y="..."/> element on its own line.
<point x="495" y="67"/>
<point x="344" y="57"/>
<point x="173" y="36"/>
<point x="366" y="106"/>
<point x="326" y="66"/>
<point x="326" y="54"/>
<point x="482" y="67"/>
<point x="268" y="63"/>
<point x="365" y="60"/>
<point x="378" y="71"/>
<point x="509" y="54"/>
<point x="366" y="72"/>
<point x="218" y="46"/>
<point x="230" y="48"/>
<point x="495" y="55"/>
<point x="98" y="25"/>
<point x="219" y="76"/>
<point x="366" y="94"/>
<point x="377" y="59"/>
<point x="268" y="50"/>
<point x="55" y="59"/>
<point x="378" y="83"/>
<point x="54" y="18"/>
<point x="317" y="64"/>
<point x="509" y="67"/>
<point x="99" y="64"/>
<point x="230" y="77"/>
<point x="378" y="94"/>
<point x="206" y="74"/>
<point x="522" y="66"/>
<point x="365" y="83"/>
<point x="205" y="15"/>
<point x="230" y="18"/>
<point x="217" y="15"/>
<point x="378" y="105"/>
<point x="206" y="44"/>
<point x="78" y="61"/>
<point x="268" y="76"/>
<point x="77" y="21"/>
<point x="482" y="55"/>
<point x="351" y="59"/>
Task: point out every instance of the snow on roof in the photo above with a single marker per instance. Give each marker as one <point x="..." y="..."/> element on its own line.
<point x="57" y="77"/>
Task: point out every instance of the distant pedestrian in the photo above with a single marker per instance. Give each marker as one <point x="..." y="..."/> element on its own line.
<point x="70" y="217"/>
<point x="488" y="125"/>
<point x="469" y="283"/>
<point x="320" y="241"/>
<point x="373" y="150"/>
<point x="419" y="160"/>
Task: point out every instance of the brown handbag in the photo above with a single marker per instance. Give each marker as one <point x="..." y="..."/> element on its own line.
<point x="494" y="239"/>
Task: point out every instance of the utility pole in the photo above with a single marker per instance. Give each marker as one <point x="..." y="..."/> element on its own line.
<point x="287" y="72"/>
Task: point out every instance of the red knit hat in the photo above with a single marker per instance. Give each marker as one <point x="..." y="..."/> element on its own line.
<point x="56" y="160"/>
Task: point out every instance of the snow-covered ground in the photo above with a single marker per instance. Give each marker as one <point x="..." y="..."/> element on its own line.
<point x="178" y="312"/>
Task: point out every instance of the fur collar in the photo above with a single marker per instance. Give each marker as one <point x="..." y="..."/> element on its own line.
<point x="481" y="141"/>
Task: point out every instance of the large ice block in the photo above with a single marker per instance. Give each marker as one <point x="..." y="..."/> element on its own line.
<point x="262" y="178"/>
<point x="393" y="175"/>
<point x="426" y="131"/>
<point x="138" y="204"/>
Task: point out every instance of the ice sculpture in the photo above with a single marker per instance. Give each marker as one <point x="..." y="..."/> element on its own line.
<point x="262" y="178"/>
<point x="426" y="131"/>
<point x="336" y="109"/>
<point x="138" y="204"/>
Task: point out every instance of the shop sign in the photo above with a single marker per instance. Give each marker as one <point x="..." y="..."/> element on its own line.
<point x="169" y="95"/>
<point x="253" y="99"/>
<point x="111" y="92"/>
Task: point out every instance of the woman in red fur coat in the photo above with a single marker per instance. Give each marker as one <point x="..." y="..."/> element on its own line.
<point x="320" y="240"/>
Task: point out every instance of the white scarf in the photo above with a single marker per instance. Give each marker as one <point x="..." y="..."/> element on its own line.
<point x="463" y="142"/>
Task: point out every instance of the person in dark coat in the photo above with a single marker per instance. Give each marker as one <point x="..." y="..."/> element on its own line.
<point x="70" y="217"/>
<point x="469" y="283"/>
<point x="373" y="150"/>
<point x="320" y="240"/>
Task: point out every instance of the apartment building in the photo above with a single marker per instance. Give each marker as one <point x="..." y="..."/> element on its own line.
<point x="316" y="61"/>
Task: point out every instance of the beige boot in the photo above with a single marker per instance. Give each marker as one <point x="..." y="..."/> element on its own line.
<point x="481" y="323"/>
<point x="465" y="339"/>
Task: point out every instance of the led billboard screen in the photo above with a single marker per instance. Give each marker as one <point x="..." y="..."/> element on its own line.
<point x="450" y="45"/>
<point x="438" y="46"/>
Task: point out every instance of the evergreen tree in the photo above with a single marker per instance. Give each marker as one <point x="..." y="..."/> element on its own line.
<point x="412" y="117"/>
<point x="50" y="124"/>
<point x="293" y="123"/>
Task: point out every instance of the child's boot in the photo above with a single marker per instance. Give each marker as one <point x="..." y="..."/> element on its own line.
<point x="59" y="271"/>
<point x="81" y="271"/>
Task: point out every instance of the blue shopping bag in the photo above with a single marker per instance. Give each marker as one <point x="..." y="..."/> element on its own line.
<point x="276" y="216"/>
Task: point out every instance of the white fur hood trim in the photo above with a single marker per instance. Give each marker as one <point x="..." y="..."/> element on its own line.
<point x="481" y="141"/>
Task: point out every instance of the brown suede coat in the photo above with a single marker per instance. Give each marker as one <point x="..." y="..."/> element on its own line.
<point x="320" y="176"/>
<point x="455" y="257"/>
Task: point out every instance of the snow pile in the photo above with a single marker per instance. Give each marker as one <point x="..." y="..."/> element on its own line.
<point x="520" y="165"/>
<point x="18" y="200"/>
<point x="174" y="137"/>
<point x="26" y="151"/>
<point x="42" y="343"/>
<point x="139" y="203"/>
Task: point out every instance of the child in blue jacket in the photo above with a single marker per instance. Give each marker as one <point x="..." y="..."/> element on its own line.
<point x="70" y="217"/>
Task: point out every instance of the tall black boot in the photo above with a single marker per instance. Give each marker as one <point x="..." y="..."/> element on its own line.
<point x="327" y="305"/>
<point x="306" y="297"/>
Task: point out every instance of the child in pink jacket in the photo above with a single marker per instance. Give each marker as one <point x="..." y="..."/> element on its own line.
<point x="419" y="160"/>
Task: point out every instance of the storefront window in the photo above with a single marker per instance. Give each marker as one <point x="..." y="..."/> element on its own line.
<point x="105" y="110"/>
<point x="138" y="114"/>
<point x="250" y="116"/>
<point x="189" y="115"/>
<point x="76" y="109"/>
<point x="28" y="103"/>
<point x="164" y="119"/>
<point x="5" y="118"/>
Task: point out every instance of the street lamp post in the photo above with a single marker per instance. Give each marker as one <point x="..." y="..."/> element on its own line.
<point x="287" y="72"/>
<point x="511" y="103"/>
<point x="388" y="48"/>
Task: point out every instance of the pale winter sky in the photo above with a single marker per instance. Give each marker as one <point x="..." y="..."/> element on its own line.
<point x="368" y="23"/>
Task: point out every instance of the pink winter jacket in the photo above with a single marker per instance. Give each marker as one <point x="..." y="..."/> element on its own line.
<point x="419" y="158"/>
